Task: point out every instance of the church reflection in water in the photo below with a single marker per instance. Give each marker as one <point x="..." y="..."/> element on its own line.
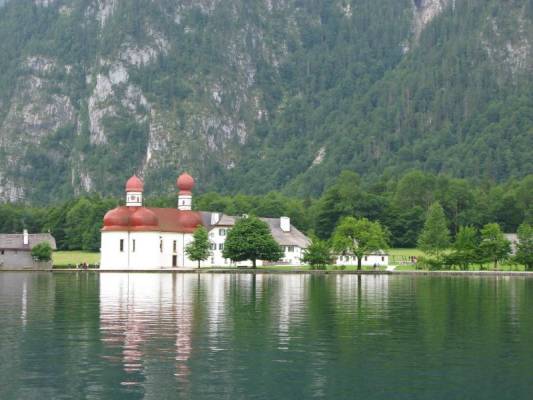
<point x="151" y="324"/>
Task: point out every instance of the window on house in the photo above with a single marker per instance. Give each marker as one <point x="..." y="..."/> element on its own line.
<point x="366" y="258"/>
<point x="382" y="258"/>
<point x="290" y="249"/>
<point x="221" y="246"/>
<point x="222" y="232"/>
<point x="213" y="246"/>
<point x="161" y="245"/>
<point x="212" y="260"/>
<point x="2" y="252"/>
<point x="174" y="246"/>
<point x="121" y="245"/>
<point x="133" y="246"/>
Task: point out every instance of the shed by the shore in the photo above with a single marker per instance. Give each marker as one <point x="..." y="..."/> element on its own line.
<point x="15" y="249"/>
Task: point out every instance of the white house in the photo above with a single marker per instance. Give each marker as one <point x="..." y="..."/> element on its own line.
<point x="138" y="237"/>
<point x="292" y="241"/>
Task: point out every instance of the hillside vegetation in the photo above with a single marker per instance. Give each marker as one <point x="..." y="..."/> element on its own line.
<point x="259" y="95"/>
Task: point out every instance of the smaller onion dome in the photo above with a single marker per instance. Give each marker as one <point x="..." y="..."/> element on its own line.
<point x="143" y="217"/>
<point x="118" y="217"/>
<point x="134" y="184"/>
<point x="185" y="182"/>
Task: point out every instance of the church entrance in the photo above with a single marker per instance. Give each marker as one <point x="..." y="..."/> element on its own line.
<point x="174" y="261"/>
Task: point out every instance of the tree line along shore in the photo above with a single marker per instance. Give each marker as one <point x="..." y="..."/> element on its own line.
<point x="400" y="206"/>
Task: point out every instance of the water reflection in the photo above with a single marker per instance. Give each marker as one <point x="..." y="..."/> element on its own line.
<point x="212" y="336"/>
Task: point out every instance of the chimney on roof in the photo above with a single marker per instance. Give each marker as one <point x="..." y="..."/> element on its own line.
<point x="285" y="224"/>
<point x="215" y="217"/>
<point x="26" y="237"/>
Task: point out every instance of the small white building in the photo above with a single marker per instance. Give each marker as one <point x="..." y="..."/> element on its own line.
<point x="138" y="237"/>
<point x="378" y="259"/>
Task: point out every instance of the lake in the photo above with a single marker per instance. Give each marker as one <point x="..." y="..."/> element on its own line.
<point x="241" y="336"/>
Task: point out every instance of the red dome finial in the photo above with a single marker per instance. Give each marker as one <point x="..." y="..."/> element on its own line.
<point x="134" y="184"/>
<point x="185" y="182"/>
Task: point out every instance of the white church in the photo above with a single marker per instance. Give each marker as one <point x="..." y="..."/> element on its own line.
<point x="138" y="237"/>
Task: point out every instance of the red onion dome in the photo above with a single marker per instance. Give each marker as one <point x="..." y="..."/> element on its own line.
<point x="143" y="217"/>
<point x="134" y="184"/>
<point x="118" y="217"/>
<point x="185" y="182"/>
<point x="189" y="220"/>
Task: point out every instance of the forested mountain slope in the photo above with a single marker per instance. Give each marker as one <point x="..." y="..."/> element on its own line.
<point x="256" y="95"/>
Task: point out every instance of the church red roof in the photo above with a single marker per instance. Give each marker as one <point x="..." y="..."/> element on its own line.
<point x="145" y="219"/>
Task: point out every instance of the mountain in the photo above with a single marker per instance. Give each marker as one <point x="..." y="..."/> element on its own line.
<point x="260" y="95"/>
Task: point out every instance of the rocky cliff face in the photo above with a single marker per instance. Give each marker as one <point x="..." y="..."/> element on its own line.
<point x="103" y="88"/>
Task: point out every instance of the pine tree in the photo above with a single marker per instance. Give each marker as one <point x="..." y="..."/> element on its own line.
<point x="435" y="237"/>
<point x="250" y="239"/>
<point x="198" y="249"/>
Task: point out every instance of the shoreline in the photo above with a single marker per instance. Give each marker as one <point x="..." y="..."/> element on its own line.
<point x="282" y="272"/>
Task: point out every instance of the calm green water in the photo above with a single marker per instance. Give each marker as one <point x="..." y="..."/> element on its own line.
<point x="162" y="336"/>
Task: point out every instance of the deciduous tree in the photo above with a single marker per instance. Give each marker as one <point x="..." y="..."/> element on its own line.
<point x="198" y="249"/>
<point x="250" y="239"/>
<point x="318" y="254"/>
<point x="494" y="246"/>
<point x="359" y="237"/>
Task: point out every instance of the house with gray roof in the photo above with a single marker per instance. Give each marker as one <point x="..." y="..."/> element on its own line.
<point x="15" y="250"/>
<point x="292" y="241"/>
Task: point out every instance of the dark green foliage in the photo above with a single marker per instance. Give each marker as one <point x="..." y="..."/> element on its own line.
<point x="250" y="239"/>
<point x="198" y="249"/>
<point x="318" y="254"/>
<point x="465" y="248"/>
<point x="524" y="247"/>
<point x="42" y="251"/>
<point x="494" y="247"/>
<point x="76" y="223"/>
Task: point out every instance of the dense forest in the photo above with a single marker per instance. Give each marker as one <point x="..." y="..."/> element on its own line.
<point x="257" y="96"/>
<point x="400" y="205"/>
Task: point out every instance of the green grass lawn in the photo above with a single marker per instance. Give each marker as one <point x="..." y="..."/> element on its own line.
<point x="405" y="252"/>
<point x="62" y="258"/>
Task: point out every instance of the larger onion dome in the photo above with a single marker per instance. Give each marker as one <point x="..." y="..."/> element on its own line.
<point x="118" y="217"/>
<point x="143" y="218"/>
<point x="185" y="183"/>
<point x="188" y="221"/>
<point x="134" y="184"/>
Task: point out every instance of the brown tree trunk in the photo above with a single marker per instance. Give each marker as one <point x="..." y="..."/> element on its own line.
<point x="359" y="262"/>
<point x="253" y="263"/>
<point x="198" y="264"/>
